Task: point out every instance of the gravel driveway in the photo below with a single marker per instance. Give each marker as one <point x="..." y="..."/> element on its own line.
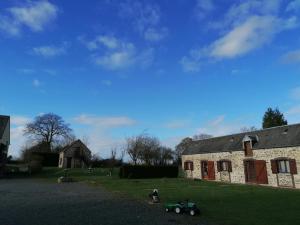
<point x="34" y="202"/>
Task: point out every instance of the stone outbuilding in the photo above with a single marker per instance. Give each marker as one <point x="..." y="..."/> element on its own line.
<point x="268" y="157"/>
<point x="75" y="155"/>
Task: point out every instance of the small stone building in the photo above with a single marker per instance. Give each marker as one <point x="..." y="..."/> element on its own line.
<point x="268" y="157"/>
<point x="75" y="155"/>
<point x="4" y="140"/>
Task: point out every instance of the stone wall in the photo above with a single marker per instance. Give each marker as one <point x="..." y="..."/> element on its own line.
<point x="237" y="159"/>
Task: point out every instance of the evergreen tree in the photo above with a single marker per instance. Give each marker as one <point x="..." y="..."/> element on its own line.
<point x="273" y="118"/>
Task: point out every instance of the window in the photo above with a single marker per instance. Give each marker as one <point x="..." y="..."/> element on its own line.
<point x="188" y="165"/>
<point x="224" y="165"/>
<point x="205" y="168"/>
<point x="283" y="166"/>
<point x="247" y="148"/>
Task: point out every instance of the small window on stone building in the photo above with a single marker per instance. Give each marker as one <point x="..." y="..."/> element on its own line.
<point x="284" y="165"/>
<point x="248" y="148"/>
<point x="188" y="165"/>
<point x="224" y="165"/>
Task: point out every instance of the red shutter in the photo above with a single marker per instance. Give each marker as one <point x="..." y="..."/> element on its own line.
<point x="192" y="166"/>
<point x="229" y="166"/>
<point x="293" y="166"/>
<point x="274" y="166"/>
<point x="219" y="166"/>
<point x="211" y="170"/>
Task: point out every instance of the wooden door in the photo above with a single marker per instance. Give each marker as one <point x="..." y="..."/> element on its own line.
<point x="261" y="172"/>
<point x="204" y="169"/>
<point x="250" y="174"/>
<point x="211" y="170"/>
<point x="69" y="162"/>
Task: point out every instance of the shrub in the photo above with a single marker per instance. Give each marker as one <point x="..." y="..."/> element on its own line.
<point x="141" y="171"/>
<point x="35" y="166"/>
<point x="47" y="159"/>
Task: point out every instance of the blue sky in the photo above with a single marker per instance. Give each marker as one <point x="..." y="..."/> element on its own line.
<point x="113" y="69"/>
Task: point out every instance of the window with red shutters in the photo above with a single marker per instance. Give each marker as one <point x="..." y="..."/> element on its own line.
<point x="274" y="166"/>
<point x="224" y="165"/>
<point x="284" y="165"/>
<point x="293" y="166"/>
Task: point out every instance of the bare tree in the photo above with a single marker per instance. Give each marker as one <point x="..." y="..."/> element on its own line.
<point x="133" y="148"/>
<point x="148" y="150"/>
<point x="166" y="156"/>
<point x="48" y="128"/>
<point x="248" y="129"/>
<point x="85" y="140"/>
<point x="203" y="136"/>
<point x="181" y="147"/>
<point x="112" y="160"/>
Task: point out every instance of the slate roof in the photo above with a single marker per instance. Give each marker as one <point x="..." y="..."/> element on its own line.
<point x="3" y="123"/>
<point x="72" y="144"/>
<point x="276" y="137"/>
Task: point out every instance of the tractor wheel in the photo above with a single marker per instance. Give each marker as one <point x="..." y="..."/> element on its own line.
<point x="178" y="210"/>
<point x="192" y="212"/>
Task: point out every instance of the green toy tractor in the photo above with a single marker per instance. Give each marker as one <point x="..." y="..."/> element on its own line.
<point x="182" y="207"/>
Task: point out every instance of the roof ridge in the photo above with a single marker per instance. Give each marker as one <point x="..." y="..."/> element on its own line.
<point x="248" y="132"/>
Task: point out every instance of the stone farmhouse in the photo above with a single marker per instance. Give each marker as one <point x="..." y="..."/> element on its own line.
<point x="4" y="140"/>
<point x="75" y="155"/>
<point x="267" y="157"/>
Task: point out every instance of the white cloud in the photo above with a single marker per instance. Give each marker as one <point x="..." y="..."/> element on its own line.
<point x="49" y="51"/>
<point x="100" y="132"/>
<point x="291" y="57"/>
<point x="255" y="32"/>
<point x="204" y="7"/>
<point x="105" y="122"/>
<point x="177" y="124"/>
<point x="245" y="27"/>
<point x="252" y="34"/>
<point x="219" y="127"/>
<point x="19" y="120"/>
<point x="154" y="35"/>
<point x="119" y="58"/>
<point x="36" y="83"/>
<point x="26" y="71"/>
<point x="146" y="19"/>
<point x="293" y="111"/>
<point x="295" y="93"/>
<point x="293" y="6"/>
<point x="17" y="138"/>
<point x="238" y="13"/>
<point x="102" y="40"/>
<point x="106" y="82"/>
<point x="190" y="64"/>
<point x="33" y="15"/>
<point x="118" y="54"/>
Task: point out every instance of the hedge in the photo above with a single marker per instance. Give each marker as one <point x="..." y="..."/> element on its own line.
<point x="141" y="171"/>
<point x="48" y="159"/>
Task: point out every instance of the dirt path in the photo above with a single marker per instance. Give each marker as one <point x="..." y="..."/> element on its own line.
<point x="33" y="202"/>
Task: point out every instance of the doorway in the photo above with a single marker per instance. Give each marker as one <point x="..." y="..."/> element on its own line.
<point x="208" y="170"/>
<point x="256" y="171"/>
<point x="69" y="162"/>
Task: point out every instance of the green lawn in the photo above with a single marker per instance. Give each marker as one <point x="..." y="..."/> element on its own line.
<point x="221" y="203"/>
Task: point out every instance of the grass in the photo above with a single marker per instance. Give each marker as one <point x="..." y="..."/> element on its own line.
<point x="220" y="203"/>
